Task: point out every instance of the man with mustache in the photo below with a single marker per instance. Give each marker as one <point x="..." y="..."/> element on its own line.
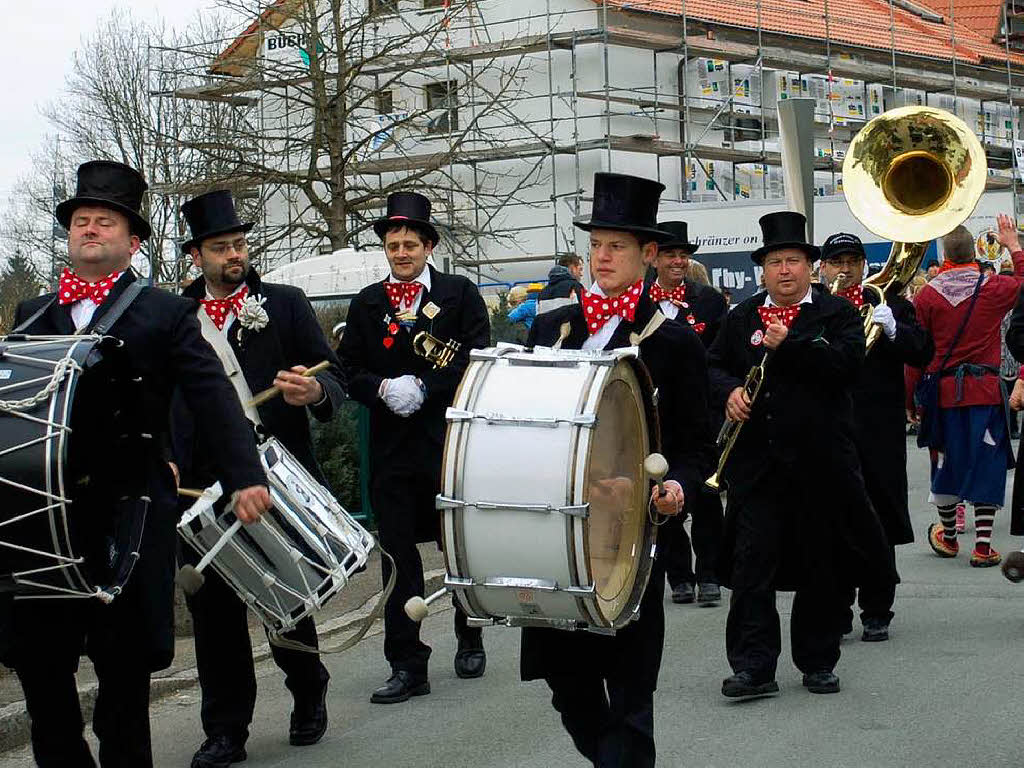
<point x="255" y="358"/>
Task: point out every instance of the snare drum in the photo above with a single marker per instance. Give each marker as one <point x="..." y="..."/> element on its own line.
<point x="300" y="553"/>
<point x="545" y="502"/>
<point x="72" y="467"/>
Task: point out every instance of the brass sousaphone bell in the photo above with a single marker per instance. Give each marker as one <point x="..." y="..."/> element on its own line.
<point x="911" y="175"/>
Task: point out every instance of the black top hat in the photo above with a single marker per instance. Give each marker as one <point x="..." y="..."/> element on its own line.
<point x="841" y="242"/>
<point x="210" y="215"/>
<point x="407" y="208"/>
<point x="107" y="184"/>
<point x="626" y="204"/>
<point x="680" y="238"/>
<point x="784" y="229"/>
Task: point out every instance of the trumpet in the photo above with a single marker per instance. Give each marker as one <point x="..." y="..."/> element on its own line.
<point x="911" y="175"/>
<point x="440" y="353"/>
<point x="731" y="429"/>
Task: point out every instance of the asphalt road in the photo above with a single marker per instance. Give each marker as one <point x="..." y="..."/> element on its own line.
<point x="944" y="691"/>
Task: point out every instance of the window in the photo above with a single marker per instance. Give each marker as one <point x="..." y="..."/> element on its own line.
<point x="382" y="7"/>
<point x="384" y="102"/>
<point x="443" y="96"/>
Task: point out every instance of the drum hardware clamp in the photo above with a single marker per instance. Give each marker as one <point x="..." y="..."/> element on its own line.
<point x="585" y="420"/>
<point x="572" y="510"/>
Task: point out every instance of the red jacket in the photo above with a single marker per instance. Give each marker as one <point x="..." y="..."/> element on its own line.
<point x="979" y="343"/>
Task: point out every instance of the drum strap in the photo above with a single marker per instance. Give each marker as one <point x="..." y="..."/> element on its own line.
<point x="652" y="325"/>
<point x="111" y="316"/>
<point x="38" y="313"/>
<point x="219" y="341"/>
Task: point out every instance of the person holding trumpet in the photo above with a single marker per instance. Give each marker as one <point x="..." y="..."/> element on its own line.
<point x="268" y="338"/>
<point x="797" y="516"/>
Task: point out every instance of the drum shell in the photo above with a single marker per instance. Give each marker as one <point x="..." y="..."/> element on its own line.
<point x="533" y="463"/>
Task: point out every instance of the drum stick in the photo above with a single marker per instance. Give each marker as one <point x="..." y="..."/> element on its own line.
<point x="192" y="493"/>
<point x="416" y="607"/>
<point x="272" y="392"/>
<point x="656" y="467"/>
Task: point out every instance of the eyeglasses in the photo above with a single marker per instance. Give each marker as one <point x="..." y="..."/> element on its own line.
<point x="238" y="246"/>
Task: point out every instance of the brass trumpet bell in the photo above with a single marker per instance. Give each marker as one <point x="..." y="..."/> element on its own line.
<point x="913" y="174"/>
<point x="440" y="353"/>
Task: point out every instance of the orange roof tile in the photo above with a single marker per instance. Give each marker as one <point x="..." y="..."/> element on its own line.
<point x="863" y="23"/>
<point x="982" y="16"/>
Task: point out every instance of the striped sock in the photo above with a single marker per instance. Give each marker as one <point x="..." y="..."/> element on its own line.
<point x="947" y="514"/>
<point x="984" y="517"/>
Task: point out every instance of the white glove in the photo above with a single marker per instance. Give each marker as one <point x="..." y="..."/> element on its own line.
<point x="402" y="395"/>
<point x="883" y="316"/>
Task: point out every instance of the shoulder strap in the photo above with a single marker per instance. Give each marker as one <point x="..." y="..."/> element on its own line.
<point x="232" y="368"/>
<point x="963" y="323"/>
<point x="128" y="295"/>
<point x="38" y="313"/>
<point x="652" y="325"/>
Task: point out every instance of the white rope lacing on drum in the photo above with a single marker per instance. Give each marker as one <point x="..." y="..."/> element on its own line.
<point x="60" y="370"/>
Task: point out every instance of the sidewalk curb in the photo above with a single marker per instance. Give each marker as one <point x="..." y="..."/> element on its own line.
<point x="14" y="719"/>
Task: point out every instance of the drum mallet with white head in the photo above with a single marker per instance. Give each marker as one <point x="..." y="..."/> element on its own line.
<point x="417" y="608"/>
<point x="190" y="578"/>
<point x="656" y="468"/>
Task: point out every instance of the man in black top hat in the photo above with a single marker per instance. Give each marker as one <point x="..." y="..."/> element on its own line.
<point x="272" y="353"/>
<point x="879" y="423"/>
<point x="132" y="636"/>
<point x="798" y="517"/>
<point x="603" y="686"/>
<point x="407" y="397"/>
<point x="703" y="309"/>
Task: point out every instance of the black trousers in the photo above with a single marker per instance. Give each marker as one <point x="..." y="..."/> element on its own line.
<point x="224" y="658"/>
<point x="611" y="721"/>
<point x="404" y="507"/>
<point x="875" y="597"/>
<point x="674" y="543"/>
<point x="47" y="675"/>
<point x="753" y="637"/>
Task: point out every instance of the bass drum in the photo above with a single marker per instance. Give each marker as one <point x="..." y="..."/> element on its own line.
<point x="545" y="501"/>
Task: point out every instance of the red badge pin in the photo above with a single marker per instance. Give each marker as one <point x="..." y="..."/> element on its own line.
<point x="757" y="337"/>
<point x="388" y="341"/>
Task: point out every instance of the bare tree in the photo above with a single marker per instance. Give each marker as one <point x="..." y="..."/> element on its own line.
<point x="344" y="105"/>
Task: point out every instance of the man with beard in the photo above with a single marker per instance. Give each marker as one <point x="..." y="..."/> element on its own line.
<point x="879" y="423"/>
<point x="134" y="635"/>
<point x="798" y="517"/>
<point x="703" y="309"/>
<point x="603" y="686"/>
<point x="254" y="358"/>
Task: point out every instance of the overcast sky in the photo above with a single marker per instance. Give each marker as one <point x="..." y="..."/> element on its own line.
<point x="39" y="39"/>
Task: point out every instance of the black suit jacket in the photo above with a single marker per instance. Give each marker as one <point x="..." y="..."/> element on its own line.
<point x="166" y="350"/>
<point x="706" y="305"/>
<point x="1015" y="343"/>
<point x="797" y="447"/>
<point x="292" y="337"/>
<point x="879" y="424"/>
<point x="399" y="446"/>
<point x="678" y="365"/>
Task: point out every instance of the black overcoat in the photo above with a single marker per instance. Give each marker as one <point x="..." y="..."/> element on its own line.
<point x="879" y="424"/>
<point x="292" y="337"/>
<point x="801" y="428"/>
<point x="166" y="350"/>
<point x="678" y="366"/>
<point x="403" y="446"/>
<point x="1015" y="343"/>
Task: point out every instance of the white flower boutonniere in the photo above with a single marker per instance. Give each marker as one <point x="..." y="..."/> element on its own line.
<point x="251" y="315"/>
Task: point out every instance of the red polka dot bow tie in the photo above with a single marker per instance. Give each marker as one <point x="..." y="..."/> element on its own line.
<point x="402" y="294"/>
<point x="73" y="288"/>
<point x="598" y="310"/>
<point x="218" y="309"/>
<point x="784" y="315"/>
<point x="677" y="294"/>
<point x="855" y="294"/>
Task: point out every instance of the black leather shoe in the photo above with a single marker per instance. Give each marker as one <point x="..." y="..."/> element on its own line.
<point x="682" y="593"/>
<point x="219" y="752"/>
<point x="821" y="682"/>
<point x="400" y="686"/>
<point x="743" y="685"/>
<point x="470" y="663"/>
<point x="708" y="594"/>
<point x="875" y="631"/>
<point x="309" y="721"/>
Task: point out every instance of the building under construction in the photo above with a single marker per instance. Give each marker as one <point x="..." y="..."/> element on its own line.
<point x="502" y="112"/>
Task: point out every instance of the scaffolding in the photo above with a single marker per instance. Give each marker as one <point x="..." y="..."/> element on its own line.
<point x="681" y="92"/>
